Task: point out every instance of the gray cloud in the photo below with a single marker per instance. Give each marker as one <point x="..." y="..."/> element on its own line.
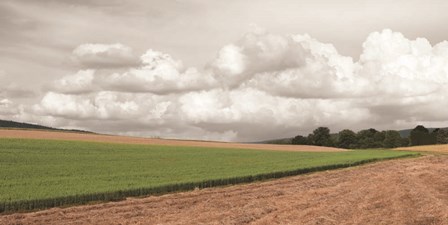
<point x="11" y="90"/>
<point x="15" y="92"/>
<point x="105" y="56"/>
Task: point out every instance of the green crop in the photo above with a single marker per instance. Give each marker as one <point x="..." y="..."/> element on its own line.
<point x="45" y="173"/>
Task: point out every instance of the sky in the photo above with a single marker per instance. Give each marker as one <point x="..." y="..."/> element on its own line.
<point x="234" y="70"/>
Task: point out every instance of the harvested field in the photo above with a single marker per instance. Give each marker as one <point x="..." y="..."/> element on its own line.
<point x="36" y="134"/>
<point x="427" y="148"/>
<point x="406" y="191"/>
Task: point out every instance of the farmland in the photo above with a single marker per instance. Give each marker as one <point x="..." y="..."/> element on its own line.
<point x="75" y="136"/>
<point x="42" y="173"/>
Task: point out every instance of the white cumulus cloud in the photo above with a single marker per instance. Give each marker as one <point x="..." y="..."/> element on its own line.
<point x="259" y="87"/>
<point x="80" y="82"/>
<point x="159" y="74"/>
<point x="8" y="108"/>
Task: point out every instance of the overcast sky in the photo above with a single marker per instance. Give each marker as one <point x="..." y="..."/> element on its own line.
<point x="224" y="70"/>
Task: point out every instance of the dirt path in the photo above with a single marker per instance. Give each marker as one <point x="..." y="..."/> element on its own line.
<point x="406" y="191"/>
<point x="35" y="134"/>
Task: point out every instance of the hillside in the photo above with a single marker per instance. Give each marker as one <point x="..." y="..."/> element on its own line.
<point x="282" y="141"/>
<point x="20" y="125"/>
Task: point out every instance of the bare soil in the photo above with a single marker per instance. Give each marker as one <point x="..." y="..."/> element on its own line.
<point x="56" y="135"/>
<point x="405" y="191"/>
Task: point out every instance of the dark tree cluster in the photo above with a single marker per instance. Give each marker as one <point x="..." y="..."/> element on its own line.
<point x="422" y="136"/>
<point x="371" y="138"/>
<point x="441" y="136"/>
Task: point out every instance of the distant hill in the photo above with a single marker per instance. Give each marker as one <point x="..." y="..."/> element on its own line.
<point x="281" y="141"/>
<point x="19" y="125"/>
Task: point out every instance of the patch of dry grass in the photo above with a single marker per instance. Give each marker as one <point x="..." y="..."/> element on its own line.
<point x="426" y="148"/>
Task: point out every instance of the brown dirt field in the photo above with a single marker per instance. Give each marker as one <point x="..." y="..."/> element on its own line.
<point x="35" y="134"/>
<point x="405" y="191"/>
<point x="427" y="148"/>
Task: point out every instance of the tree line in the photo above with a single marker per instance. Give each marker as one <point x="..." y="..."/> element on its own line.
<point x="371" y="138"/>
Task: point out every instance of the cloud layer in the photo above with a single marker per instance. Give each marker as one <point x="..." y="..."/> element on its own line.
<point x="261" y="86"/>
<point x="104" y="56"/>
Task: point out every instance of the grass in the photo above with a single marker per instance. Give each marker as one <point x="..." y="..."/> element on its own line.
<point x="38" y="170"/>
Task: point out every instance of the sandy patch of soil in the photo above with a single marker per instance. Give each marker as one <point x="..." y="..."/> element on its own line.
<point x="35" y="134"/>
<point x="405" y="191"/>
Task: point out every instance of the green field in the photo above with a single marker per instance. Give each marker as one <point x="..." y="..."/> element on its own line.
<point x="32" y="171"/>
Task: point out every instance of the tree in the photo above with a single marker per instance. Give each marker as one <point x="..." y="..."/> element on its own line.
<point x="300" y="140"/>
<point x="310" y="139"/>
<point x="404" y="142"/>
<point x="321" y="137"/>
<point x="421" y="136"/>
<point x="334" y="139"/>
<point x="346" y="139"/>
<point x="442" y="136"/>
<point x="433" y="136"/>
<point x="378" y="139"/>
<point x="366" y="139"/>
<point x="417" y="135"/>
<point x="392" y="139"/>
